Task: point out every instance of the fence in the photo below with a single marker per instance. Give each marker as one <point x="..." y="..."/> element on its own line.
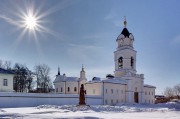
<point x="10" y="100"/>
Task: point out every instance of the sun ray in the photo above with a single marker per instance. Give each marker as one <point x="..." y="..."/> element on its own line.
<point x="30" y="20"/>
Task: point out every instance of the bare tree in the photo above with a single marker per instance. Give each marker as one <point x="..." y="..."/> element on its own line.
<point x="42" y="72"/>
<point x="1" y="64"/>
<point x="5" y="64"/>
<point x="168" y="92"/>
<point x="29" y="80"/>
<point x="176" y="90"/>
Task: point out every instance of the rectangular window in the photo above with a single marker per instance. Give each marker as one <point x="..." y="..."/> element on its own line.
<point x="106" y="91"/>
<point x="106" y="102"/>
<point x="145" y="93"/>
<point x="117" y="101"/>
<point x="117" y="91"/>
<point x="68" y="89"/>
<point x="61" y="89"/>
<point x="56" y="89"/>
<point x="94" y="91"/>
<point x="112" y="101"/>
<point x="111" y="90"/>
<point x="5" y="82"/>
<point x="152" y="93"/>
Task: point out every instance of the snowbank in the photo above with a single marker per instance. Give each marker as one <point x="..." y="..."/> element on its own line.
<point x="119" y="108"/>
<point x="137" y="111"/>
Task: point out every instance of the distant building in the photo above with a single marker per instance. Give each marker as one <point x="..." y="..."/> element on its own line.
<point x="125" y="86"/>
<point x="6" y="80"/>
<point x="69" y="85"/>
<point x="160" y="99"/>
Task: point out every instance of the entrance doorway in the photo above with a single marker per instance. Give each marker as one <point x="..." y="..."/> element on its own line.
<point x="136" y="97"/>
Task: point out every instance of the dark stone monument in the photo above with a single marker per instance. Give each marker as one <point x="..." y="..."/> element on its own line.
<point x="82" y="95"/>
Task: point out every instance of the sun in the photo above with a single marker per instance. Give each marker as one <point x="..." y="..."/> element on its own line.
<point x="30" y="22"/>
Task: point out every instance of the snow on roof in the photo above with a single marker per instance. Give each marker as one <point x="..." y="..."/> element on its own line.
<point x="63" y="78"/>
<point x="106" y="80"/>
<point x="150" y="86"/>
<point x="115" y="81"/>
<point x="72" y="79"/>
<point x="4" y="71"/>
<point x="121" y="36"/>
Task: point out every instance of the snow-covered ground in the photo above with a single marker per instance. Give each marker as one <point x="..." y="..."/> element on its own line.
<point x="158" y="111"/>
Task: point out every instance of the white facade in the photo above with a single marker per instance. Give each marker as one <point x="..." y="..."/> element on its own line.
<point x="6" y="81"/>
<point x="149" y="92"/>
<point x="125" y="86"/>
<point x="94" y="89"/>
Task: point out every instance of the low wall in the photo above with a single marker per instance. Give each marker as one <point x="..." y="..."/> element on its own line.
<point x="10" y="100"/>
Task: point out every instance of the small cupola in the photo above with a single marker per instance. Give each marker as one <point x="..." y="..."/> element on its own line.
<point x="58" y="74"/>
<point x="59" y="71"/>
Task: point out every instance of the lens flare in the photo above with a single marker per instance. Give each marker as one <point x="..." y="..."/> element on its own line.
<point x="31" y="22"/>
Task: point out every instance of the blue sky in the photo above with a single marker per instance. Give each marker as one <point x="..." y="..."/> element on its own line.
<point x="84" y="32"/>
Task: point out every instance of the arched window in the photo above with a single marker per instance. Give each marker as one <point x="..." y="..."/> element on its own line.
<point x="75" y="89"/>
<point x="68" y="89"/>
<point x="132" y="62"/>
<point x="120" y="62"/>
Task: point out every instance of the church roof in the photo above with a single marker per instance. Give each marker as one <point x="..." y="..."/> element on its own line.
<point x="149" y="86"/>
<point x="115" y="81"/>
<point x="125" y="32"/>
<point x="63" y="78"/>
<point x="72" y="79"/>
<point x="4" y="71"/>
<point x="112" y="80"/>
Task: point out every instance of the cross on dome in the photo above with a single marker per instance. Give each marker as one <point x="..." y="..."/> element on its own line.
<point x="125" y="23"/>
<point x="82" y="67"/>
<point x="58" y="70"/>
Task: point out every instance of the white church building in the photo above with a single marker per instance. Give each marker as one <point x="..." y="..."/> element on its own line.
<point x="125" y="86"/>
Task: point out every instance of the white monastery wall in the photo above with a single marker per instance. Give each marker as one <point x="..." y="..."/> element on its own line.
<point x="10" y="100"/>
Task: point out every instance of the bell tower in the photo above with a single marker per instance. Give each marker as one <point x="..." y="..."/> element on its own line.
<point x="125" y="55"/>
